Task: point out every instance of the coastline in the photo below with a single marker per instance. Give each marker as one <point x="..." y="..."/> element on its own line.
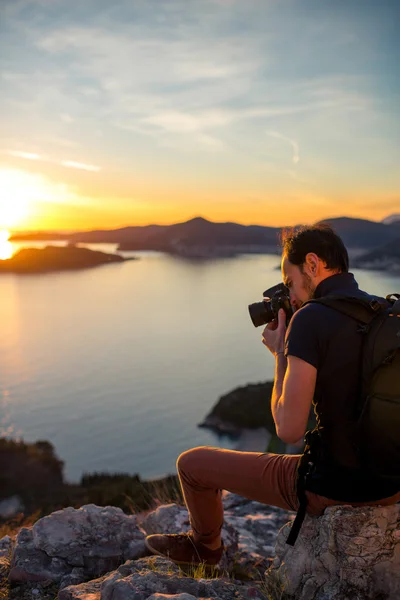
<point x="253" y="440"/>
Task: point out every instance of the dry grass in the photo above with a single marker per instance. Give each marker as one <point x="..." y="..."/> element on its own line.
<point x="273" y="587"/>
<point x="11" y="528"/>
<point x="4" y="569"/>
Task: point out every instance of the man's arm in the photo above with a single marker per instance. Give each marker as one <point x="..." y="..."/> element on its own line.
<point x="292" y="396"/>
<point x="295" y="380"/>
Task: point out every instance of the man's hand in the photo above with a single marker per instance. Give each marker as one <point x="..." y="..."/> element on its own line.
<point x="273" y="336"/>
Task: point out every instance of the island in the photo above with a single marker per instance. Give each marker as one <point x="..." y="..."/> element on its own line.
<point x="57" y="258"/>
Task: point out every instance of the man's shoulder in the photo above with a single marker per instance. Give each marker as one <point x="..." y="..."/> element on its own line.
<point x="314" y="319"/>
<point x="310" y="312"/>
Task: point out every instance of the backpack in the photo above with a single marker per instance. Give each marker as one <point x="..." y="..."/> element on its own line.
<point x="377" y="407"/>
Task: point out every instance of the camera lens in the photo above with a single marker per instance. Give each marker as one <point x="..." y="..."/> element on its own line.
<point x="261" y="313"/>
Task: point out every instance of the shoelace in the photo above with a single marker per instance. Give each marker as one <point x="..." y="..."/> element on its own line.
<point x="188" y="537"/>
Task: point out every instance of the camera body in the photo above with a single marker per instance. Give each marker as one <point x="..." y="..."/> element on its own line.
<point x="275" y="298"/>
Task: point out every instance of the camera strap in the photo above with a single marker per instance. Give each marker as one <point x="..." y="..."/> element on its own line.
<point x="304" y="471"/>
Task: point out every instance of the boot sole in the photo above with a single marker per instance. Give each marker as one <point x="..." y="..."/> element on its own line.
<point x="154" y="551"/>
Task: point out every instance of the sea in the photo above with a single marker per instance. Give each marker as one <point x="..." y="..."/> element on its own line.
<point x="116" y="366"/>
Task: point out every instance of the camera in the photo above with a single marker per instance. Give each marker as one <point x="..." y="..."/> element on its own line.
<point x="266" y="311"/>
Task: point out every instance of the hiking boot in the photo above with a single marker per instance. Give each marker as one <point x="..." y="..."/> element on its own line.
<point x="182" y="549"/>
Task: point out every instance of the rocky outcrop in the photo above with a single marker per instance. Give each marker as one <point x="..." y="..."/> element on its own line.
<point x="158" y="579"/>
<point x="347" y="554"/>
<point x="75" y="546"/>
<point x="97" y="553"/>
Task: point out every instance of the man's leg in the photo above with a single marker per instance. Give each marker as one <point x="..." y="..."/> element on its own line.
<point x="205" y="471"/>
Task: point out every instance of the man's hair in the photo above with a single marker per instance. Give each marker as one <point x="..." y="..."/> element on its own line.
<point x="319" y="239"/>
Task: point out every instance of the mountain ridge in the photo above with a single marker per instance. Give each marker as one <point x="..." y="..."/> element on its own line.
<point x="199" y="237"/>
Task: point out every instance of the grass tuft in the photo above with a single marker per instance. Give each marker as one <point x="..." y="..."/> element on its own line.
<point x="273" y="586"/>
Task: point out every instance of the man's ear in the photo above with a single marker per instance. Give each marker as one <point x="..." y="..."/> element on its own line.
<point x="312" y="263"/>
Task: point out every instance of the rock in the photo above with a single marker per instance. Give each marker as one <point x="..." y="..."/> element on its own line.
<point x="257" y="526"/>
<point x="5" y="545"/>
<point x="346" y="554"/>
<point x="156" y="577"/>
<point x="171" y="597"/>
<point x="11" y="506"/>
<point x="171" y="518"/>
<point x="74" y="545"/>
<point x="249" y="532"/>
<point x="90" y="590"/>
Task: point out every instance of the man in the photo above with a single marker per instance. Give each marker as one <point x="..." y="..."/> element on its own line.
<point x="317" y="363"/>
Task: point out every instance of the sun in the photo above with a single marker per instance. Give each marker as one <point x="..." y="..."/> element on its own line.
<point x="6" y="249"/>
<point x="16" y="194"/>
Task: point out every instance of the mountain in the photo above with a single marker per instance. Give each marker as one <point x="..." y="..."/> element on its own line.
<point x="395" y="218"/>
<point x="201" y="238"/>
<point x="383" y="258"/>
<point x="361" y="233"/>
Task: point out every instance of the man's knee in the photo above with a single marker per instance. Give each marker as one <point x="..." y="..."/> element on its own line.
<point x="188" y="459"/>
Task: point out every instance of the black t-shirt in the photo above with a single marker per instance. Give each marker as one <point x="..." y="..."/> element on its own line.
<point x="329" y="341"/>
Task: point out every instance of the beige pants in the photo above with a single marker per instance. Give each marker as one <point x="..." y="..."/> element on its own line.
<point x="264" y="477"/>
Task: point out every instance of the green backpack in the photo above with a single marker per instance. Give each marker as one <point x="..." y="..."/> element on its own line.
<point x="377" y="427"/>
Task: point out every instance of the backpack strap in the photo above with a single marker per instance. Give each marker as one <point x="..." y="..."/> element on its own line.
<point x="359" y="309"/>
<point x="394" y="299"/>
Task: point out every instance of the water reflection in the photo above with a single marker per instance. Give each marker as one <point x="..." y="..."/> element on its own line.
<point x="6" y="249"/>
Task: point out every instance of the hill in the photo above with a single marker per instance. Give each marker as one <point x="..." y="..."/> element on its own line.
<point x="385" y="257"/>
<point x="361" y="233"/>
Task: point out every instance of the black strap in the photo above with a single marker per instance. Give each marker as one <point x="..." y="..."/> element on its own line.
<point x="305" y="468"/>
<point x="298" y="522"/>
<point x="359" y="309"/>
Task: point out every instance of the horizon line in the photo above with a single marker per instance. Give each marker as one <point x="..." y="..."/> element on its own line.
<point x="86" y="230"/>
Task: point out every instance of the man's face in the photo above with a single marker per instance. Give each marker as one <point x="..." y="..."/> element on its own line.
<point x="300" y="284"/>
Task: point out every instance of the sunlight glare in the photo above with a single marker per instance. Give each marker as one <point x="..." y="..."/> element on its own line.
<point x="6" y="249"/>
<point x="15" y="196"/>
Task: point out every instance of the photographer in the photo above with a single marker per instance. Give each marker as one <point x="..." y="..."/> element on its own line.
<point x="317" y="364"/>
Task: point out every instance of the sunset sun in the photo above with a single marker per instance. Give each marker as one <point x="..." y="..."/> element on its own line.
<point x="16" y="193"/>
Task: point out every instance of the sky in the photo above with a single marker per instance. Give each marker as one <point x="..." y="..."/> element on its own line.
<point x="272" y="112"/>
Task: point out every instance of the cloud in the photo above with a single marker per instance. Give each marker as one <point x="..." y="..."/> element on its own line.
<point x="71" y="164"/>
<point x="193" y="77"/>
<point x="293" y="143"/>
<point x="77" y="165"/>
<point x="26" y="155"/>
